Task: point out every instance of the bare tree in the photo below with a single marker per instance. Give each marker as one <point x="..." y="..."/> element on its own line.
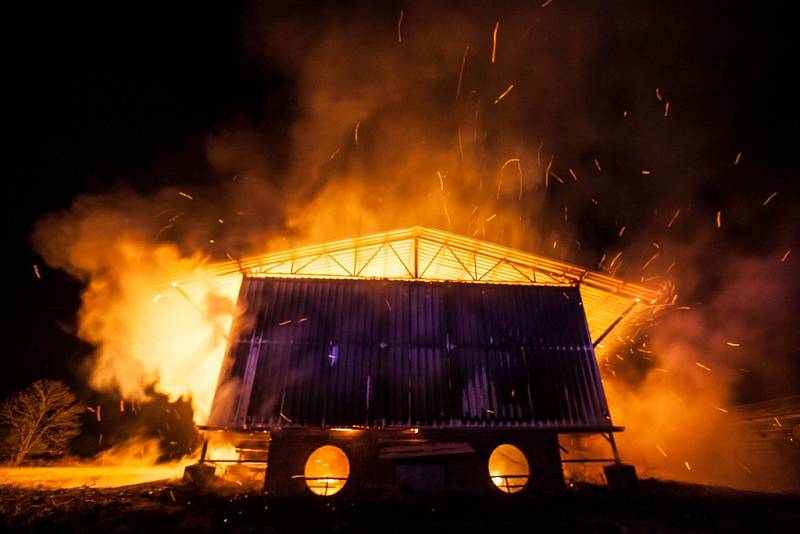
<point x="40" y="420"/>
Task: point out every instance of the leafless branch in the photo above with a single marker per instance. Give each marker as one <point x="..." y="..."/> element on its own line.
<point x="40" y="420"/>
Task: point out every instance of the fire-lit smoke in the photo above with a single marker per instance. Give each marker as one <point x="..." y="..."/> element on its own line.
<point x="699" y="360"/>
<point x="395" y="132"/>
<point x="146" y="333"/>
<point x="593" y="156"/>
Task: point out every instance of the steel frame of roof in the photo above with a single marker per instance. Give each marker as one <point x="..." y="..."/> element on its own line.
<point x="425" y="254"/>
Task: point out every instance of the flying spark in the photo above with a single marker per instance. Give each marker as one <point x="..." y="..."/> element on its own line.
<point x="461" y="73"/>
<point x="746" y="469"/>
<point x="399" y="27"/>
<point x="651" y="260"/>
<point x="614" y="260"/>
<point x="494" y="40"/>
<point x="769" y="198"/>
<point x="675" y="216"/>
<point x="503" y="94"/>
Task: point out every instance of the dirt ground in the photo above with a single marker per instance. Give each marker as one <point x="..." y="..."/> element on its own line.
<point x="172" y="507"/>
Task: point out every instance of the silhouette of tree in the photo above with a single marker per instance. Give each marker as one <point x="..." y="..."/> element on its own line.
<point x="40" y="420"/>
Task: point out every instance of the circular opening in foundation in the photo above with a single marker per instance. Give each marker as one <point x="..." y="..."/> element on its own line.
<point x="327" y="470"/>
<point x="509" y="468"/>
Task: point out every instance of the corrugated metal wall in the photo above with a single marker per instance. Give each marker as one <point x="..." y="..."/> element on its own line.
<point x="391" y="353"/>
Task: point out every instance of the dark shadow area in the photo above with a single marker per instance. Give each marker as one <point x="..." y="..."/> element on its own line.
<point x="657" y="507"/>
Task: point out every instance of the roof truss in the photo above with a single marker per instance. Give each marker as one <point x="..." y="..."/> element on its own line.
<point x="434" y="255"/>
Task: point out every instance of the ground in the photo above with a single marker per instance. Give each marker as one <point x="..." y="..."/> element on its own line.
<point x="173" y="507"/>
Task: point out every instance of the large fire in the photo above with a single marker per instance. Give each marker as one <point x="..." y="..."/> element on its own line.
<point x="161" y="319"/>
<point x="172" y="337"/>
<point x="458" y="124"/>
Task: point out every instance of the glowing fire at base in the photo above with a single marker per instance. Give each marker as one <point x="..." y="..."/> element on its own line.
<point x="75" y="476"/>
<point x="133" y="462"/>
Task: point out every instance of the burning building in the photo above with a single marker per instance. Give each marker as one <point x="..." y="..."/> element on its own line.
<point x="418" y="361"/>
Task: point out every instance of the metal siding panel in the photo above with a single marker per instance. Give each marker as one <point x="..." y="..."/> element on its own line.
<point x="507" y="358"/>
<point x="400" y="353"/>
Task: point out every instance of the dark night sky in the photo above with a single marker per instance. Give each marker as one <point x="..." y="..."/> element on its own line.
<point x="102" y="98"/>
<point x="127" y="95"/>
